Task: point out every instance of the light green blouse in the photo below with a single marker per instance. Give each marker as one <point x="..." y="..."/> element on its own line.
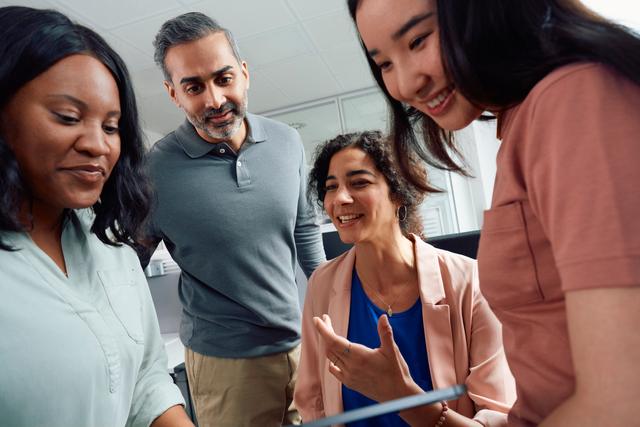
<point x="80" y="350"/>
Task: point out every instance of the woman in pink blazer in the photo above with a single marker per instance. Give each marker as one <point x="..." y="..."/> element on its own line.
<point x="393" y="316"/>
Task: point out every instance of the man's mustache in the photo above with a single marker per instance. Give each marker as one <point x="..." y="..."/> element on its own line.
<point x="224" y="108"/>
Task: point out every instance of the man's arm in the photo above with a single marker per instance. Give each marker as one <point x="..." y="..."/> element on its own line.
<point x="307" y="231"/>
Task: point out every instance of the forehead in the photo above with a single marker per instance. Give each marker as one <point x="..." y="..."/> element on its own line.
<point x="383" y="18"/>
<point x="81" y="76"/>
<point x="348" y="159"/>
<point x="200" y="57"/>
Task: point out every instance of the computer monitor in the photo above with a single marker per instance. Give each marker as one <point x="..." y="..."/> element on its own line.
<point x="397" y="405"/>
<point x="460" y="243"/>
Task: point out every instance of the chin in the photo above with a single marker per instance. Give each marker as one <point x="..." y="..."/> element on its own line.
<point x="82" y="201"/>
<point x="346" y="237"/>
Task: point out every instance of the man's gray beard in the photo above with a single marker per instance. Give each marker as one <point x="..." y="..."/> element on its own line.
<point x="214" y="132"/>
<point x="227" y="131"/>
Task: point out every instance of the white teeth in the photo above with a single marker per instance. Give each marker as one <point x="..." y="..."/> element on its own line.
<point x="438" y="99"/>
<point x="346" y="218"/>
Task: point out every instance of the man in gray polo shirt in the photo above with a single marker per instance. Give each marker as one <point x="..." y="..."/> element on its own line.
<point x="232" y="211"/>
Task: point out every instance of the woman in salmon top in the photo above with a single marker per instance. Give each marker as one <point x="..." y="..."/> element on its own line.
<point x="560" y="248"/>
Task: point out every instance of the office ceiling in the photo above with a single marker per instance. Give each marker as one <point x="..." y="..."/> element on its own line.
<point x="296" y="50"/>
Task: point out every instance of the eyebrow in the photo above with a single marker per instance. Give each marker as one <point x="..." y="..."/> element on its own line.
<point x="197" y="79"/>
<point x="353" y="173"/>
<point x="81" y="104"/>
<point x="412" y="22"/>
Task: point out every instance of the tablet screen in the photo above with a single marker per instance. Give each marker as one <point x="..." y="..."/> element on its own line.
<point x="396" y="405"/>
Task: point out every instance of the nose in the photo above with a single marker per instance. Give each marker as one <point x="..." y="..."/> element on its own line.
<point x="93" y="141"/>
<point x="412" y="81"/>
<point x="214" y="96"/>
<point x="342" y="196"/>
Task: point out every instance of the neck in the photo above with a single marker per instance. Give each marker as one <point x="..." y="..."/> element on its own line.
<point x="40" y="219"/>
<point x="44" y="225"/>
<point x="395" y="255"/>
<point x="237" y="139"/>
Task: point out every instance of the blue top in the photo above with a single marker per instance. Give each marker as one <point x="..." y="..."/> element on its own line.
<point x="408" y="332"/>
<point x="235" y="224"/>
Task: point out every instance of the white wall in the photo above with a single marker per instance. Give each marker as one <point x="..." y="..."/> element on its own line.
<point x="151" y="137"/>
<point x="479" y="146"/>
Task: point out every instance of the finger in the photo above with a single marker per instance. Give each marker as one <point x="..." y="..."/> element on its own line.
<point x="326" y="331"/>
<point x="336" y="371"/>
<point x="385" y="332"/>
<point x="327" y="321"/>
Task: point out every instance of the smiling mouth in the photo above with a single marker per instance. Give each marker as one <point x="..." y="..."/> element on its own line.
<point x="224" y="117"/>
<point x="439" y="101"/>
<point x="345" y="219"/>
<point x="87" y="174"/>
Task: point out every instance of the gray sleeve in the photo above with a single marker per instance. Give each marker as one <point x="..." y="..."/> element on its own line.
<point x="307" y="232"/>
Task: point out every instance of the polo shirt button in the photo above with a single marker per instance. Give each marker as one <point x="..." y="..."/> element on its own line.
<point x="239" y="164"/>
<point x="222" y="151"/>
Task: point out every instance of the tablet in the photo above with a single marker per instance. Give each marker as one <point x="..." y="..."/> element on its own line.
<point x="397" y="405"/>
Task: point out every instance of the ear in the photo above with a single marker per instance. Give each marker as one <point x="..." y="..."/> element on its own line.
<point x="245" y="73"/>
<point x="172" y="93"/>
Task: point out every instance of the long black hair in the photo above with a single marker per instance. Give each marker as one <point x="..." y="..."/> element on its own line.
<point x="496" y="51"/>
<point x="31" y="41"/>
<point x="378" y="148"/>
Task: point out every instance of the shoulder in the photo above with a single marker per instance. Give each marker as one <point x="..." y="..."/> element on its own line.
<point x="451" y="262"/>
<point x="576" y="99"/>
<point x="323" y="279"/>
<point x="264" y="128"/>
<point x="587" y="80"/>
<point x="459" y="273"/>
<point x="329" y="268"/>
<point x="168" y="143"/>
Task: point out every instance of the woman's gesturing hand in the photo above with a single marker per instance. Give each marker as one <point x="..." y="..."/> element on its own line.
<point x="380" y="374"/>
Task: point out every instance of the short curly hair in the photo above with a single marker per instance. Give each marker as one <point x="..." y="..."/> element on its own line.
<point x="379" y="149"/>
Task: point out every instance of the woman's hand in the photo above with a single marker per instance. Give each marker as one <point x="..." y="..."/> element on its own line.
<point x="380" y="374"/>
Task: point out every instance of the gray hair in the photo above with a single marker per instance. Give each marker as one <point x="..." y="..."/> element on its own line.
<point x="187" y="28"/>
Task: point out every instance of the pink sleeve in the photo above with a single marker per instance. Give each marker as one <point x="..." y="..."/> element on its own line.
<point x="489" y="383"/>
<point x="307" y="396"/>
<point x="582" y="172"/>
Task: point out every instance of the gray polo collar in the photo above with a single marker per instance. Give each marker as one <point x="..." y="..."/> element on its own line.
<point x="194" y="146"/>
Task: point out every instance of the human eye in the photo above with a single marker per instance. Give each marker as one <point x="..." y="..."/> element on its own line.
<point x="330" y="187"/>
<point x="418" y="41"/>
<point x="193" y="89"/>
<point x="225" y="80"/>
<point x="384" y="66"/>
<point x="110" y="128"/>
<point x="360" y="183"/>
<point x="66" y="118"/>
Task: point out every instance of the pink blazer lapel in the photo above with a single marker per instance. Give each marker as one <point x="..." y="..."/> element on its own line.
<point x="435" y="315"/>
<point x="338" y="310"/>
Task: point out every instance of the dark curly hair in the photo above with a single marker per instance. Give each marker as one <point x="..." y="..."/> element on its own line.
<point x="378" y="148"/>
<point x="31" y="41"/>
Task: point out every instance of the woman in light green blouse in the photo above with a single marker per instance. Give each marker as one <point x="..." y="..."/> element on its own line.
<point x="79" y="342"/>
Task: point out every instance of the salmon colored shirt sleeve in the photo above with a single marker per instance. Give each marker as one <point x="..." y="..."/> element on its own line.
<point x="580" y="162"/>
